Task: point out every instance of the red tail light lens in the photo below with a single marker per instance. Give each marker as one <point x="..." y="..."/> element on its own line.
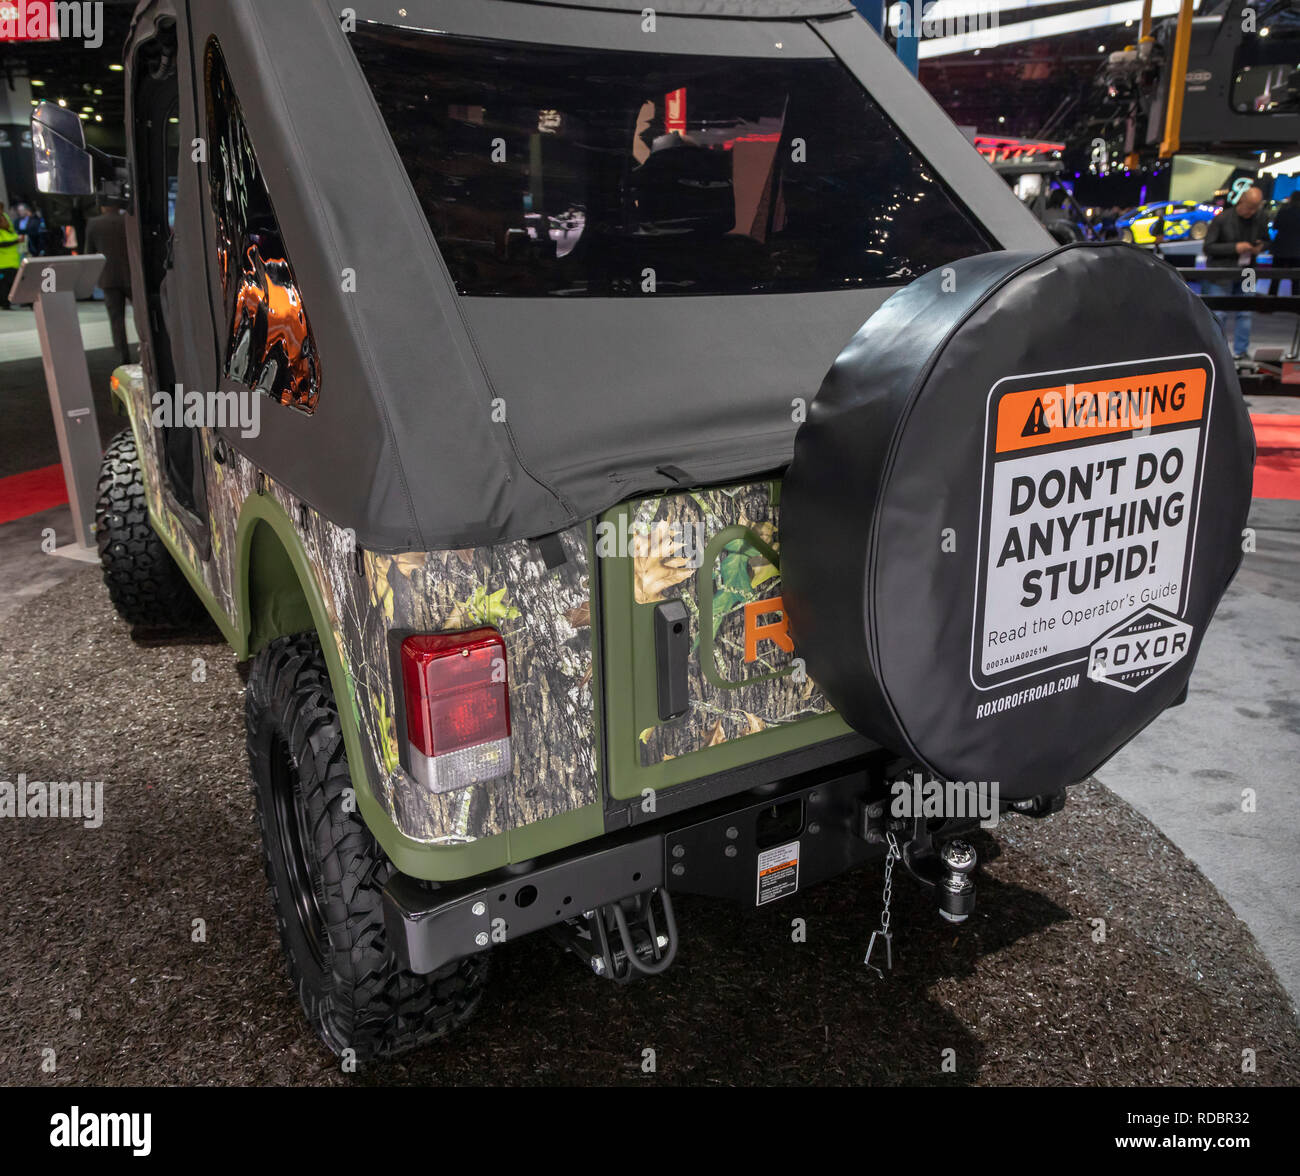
<point x="457" y="695"/>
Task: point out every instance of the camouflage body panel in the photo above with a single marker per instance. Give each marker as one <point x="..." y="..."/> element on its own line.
<point x="129" y="387"/>
<point x="706" y="548"/>
<point x="543" y="615"/>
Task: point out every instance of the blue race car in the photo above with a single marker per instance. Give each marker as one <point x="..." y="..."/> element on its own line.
<point x="1184" y="220"/>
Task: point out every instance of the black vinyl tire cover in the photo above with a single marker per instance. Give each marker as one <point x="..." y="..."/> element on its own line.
<point x="890" y="510"/>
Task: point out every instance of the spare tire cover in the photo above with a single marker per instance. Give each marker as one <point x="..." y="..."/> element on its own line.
<point x="1012" y="511"/>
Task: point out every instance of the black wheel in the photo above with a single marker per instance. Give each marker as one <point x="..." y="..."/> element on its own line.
<point x="327" y="872"/>
<point x="144" y="582"/>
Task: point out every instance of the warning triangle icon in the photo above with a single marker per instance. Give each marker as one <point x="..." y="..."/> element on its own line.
<point x="1037" y="424"/>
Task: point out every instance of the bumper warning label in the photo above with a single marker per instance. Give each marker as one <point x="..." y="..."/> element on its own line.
<point x="778" y="872"/>
<point x="1091" y="489"/>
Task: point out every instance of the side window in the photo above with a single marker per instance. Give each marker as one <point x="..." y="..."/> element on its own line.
<point x="269" y="345"/>
<point x="156" y="117"/>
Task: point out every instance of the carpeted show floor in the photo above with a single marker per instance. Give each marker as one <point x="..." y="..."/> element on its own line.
<point x="1277" y="456"/>
<point x="98" y="961"/>
<point x="30" y="440"/>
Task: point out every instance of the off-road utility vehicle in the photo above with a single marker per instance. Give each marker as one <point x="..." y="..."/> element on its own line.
<point x="668" y="434"/>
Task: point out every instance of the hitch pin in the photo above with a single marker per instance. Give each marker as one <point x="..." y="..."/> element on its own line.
<point x="889" y="952"/>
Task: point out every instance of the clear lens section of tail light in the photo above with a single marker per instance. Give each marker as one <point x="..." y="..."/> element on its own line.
<point x="457" y="708"/>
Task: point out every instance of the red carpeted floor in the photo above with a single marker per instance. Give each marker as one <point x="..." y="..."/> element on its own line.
<point x="1277" y="456"/>
<point x="31" y="492"/>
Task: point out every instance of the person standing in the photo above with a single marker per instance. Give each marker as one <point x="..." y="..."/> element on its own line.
<point x="10" y="256"/>
<point x="18" y="213"/>
<point x="32" y="226"/>
<point x="1286" y="245"/>
<point x="106" y="234"/>
<point x="1236" y="236"/>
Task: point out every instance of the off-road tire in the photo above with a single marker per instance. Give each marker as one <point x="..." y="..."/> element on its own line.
<point x="144" y="583"/>
<point x="327" y="872"/>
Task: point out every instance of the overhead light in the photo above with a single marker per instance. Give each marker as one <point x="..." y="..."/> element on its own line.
<point x="173" y="121"/>
<point x="81" y="116"/>
<point x="88" y="109"/>
<point x="99" y="93"/>
<point x="99" y="118"/>
<point x="941" y="10"/>
<point x="1101" y="48"/>
<point x="37" y="82"/>
<point x="63" y="102"/>
<point x="1103" y="16"/>
<point x="1001" y="118"/>
<point x="1263" y="32"/>
<point x="115" y="67"/>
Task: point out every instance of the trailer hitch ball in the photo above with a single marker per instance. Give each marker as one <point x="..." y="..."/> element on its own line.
<point x="957" y="888"/>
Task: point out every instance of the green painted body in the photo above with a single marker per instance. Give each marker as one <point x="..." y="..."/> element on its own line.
<point x="631" y="702"/>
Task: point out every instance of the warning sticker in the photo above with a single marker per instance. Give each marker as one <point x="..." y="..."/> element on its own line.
<point x="1091" y="489"/>
<point x="778" y="872"/>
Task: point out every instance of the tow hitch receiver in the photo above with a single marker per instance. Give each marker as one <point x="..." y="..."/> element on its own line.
<point x="623" y="940"/>
<point x="947" y="872"/>
<point x="957" y="890"/>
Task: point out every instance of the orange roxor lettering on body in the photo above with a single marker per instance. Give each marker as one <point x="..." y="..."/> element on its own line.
<point x="1036" y="417"/>
<point x="756" y="630"/>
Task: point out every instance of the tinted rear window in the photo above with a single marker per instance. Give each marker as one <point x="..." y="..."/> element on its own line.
<point x="547" y="170"/>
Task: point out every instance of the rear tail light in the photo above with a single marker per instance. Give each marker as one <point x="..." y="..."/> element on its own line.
<point x="457" y="708"/>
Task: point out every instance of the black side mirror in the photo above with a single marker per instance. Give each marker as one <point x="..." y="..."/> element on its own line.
<point x="63" y="165"/>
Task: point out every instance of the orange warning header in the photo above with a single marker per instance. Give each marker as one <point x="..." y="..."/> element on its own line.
<point x="1118" y="404"/>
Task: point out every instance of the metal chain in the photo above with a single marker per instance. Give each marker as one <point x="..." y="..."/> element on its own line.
<point x="890" y="858"/>
<point x="893" y="855"/>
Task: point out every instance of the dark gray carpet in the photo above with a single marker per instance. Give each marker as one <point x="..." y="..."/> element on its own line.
<point x="97" y="960"/>
<point x="29" y="438"/>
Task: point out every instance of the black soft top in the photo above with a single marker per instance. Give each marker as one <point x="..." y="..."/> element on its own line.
<point x="742" y="9"/>
<point x="402" y="446"/>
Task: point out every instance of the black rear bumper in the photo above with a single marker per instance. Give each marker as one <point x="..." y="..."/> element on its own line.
<point x="815" y="821"/>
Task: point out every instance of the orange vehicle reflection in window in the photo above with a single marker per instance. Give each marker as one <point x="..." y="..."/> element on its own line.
<point x="270" y="346"/>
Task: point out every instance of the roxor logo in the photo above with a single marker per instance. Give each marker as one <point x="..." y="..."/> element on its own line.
<point x="1139" y="650"/>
